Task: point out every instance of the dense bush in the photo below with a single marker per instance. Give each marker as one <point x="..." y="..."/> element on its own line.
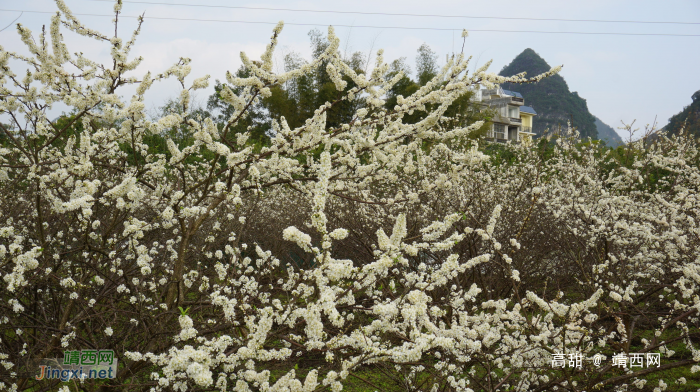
<point x="364" y="250"/>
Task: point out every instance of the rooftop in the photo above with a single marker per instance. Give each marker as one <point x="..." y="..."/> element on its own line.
<point x="527" y="109"/>
<point x="512" y="93"/>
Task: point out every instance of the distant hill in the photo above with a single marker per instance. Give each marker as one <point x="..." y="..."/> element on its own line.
<point x="551" y="98"/>
<point x="607" y="134"/>
<point x="690" y="115"/>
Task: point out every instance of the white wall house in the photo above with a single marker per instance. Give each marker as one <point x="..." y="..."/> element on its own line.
<point x="513" y="120"/>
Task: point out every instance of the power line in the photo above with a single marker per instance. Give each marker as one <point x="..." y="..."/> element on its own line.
<point x="370" y="26"/>
<point x="402" y="14"/>
<point x="20" y="15"/>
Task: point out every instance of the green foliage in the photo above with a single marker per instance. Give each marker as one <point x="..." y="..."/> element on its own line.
<point x="550" y="97"/>
<point x="4" y="140"/>
<point x="254" y="120"/>
<point x="295" y="101"/>
<point x="74" y="128"/>
<point x="500" y="154"/>
<point x="404" y="87"/>
<point x="426" y="64"/>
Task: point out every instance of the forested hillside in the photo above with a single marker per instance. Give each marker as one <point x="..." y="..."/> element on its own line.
<point x="551" y="98"/>
<point x="689" y="118"/>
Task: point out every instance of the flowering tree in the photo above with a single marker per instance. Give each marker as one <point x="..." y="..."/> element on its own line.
<point x="398" y="247"/>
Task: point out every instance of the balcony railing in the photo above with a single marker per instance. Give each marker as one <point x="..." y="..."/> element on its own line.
<point x="506" y="120"/>
<point x="526" y="129"/>
<point x="487" y="93"/>
<point x="497" y="102"/>
<point x="491" y="91"/>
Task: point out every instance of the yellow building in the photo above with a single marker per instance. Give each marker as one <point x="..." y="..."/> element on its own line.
<point x="527" y="114"/>
<point x="513" y="120"/>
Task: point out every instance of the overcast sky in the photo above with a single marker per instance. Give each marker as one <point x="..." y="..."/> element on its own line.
<point x="622" y="77"/>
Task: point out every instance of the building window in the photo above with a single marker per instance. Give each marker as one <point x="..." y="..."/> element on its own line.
<point x="514" y="112"/>
<point x="500" y="131"/>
